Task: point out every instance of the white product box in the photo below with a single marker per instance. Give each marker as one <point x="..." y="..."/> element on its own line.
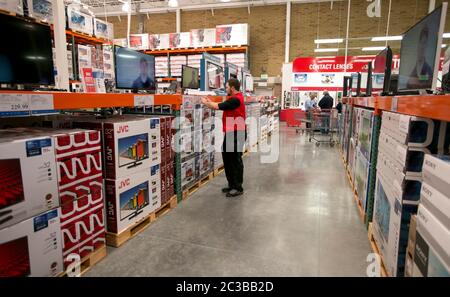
<point x="188" y="171"/>
<point x="432" y="250"/>
<point x="180" y="40"/>
<point x="32" y="247"/>
<point x="28" y="175"/>
<point x="218" y="162"/>
<point x="79" y="21"/>
<point x="391" y="225"/>
<point x="155" y="187"/>
<point x="103" y="29"/>
<point x="361" y="176"/>
<point x="15" y="6"/>
<point x="365" y="132"/>
<point x="120" y="42"/>
<point x="161" y="66"/>
<point x="164" y="41"/>
<point x="236" y="34"/>
<point x="153" y="41"/>
<point x="41" y="10"/>
<point x="127" y="200"/>
<point x="203" y="37"/>
<point x="204" y="164"/>
<point x="139" y="41"/>
<point x="437" y="203"/>
<point x="436" y="172"/>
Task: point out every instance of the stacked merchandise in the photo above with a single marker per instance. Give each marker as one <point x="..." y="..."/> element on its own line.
<point x="176" y="63"/>
<point x="403" y="142"/>
<point x="252" y="111"/>
<point x="108" y="62"/>
<point x="79" y="21"/>
<point x="353" y="133"/>
<point x="161" y="66"/>
<point x="69" y="63"/>
<point x="430" y="245"/>
<point x="14" y="6"/>
<point x="40" y="9"/>
<point x="131" y="154"/>
<point x="218" y="139"/>
<point x="206" y="145"/>
<point x="347" y="111"/>
<point x="222" y="59"/>
<point x="363" y="153"/>
<point x="30" y="226"/>
<point x="194" y="61"/>
<point x="237" y="59"/>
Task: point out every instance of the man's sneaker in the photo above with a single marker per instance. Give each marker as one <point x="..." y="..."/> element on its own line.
<point x="234" y="193"/>
<point x="226" y="190"/>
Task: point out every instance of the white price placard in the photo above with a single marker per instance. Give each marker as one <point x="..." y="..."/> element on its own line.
<point x="14" y="102"/>
<point x="144" y="100"/>
<point x="41" y="102"/>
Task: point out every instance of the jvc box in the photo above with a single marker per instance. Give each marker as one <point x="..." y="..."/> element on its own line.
<point x="32" y="247"/>
<point x="127" y="200"/>
<point x="28" y="175"/>
<point x="155" y="187"/>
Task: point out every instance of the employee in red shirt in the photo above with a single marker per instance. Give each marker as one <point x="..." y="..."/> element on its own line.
<point x="234" y="136"/>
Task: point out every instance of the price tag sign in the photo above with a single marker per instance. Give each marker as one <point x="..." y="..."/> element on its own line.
<point x="394" y="104"/>
<point x="144" y="100"/>
<point x="41" y="102"/>
<point x="14" y="104"/>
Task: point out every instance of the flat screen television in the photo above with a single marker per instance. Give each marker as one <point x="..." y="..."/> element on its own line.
<point x="356" y="84"/>
<point x="346" y="86"/>
<point x="189" y="77"/>
<point x="134" y="70"/>
<point x="215" y="77"/>
<point x="133" y="149"/>
<point x="381" y="72"/>
<point x="133" y="201"/>
<point x="420" y="52"/>
<point x="26" y="52"/>
<point x="369" y="79"/>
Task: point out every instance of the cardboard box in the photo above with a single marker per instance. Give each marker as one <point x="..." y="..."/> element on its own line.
<point x="412" y="236"/>
<point x="437" y="203"/>
<point x="163" y="182"/>
<point x="155" y="186"/>
<point x="365" y="132"/>
<point x="204" y="164"/>
<point x="131" y="143"/>
<point x="432" y="249"/>
<point x="127" y="200"/>
<point x="188" y="172"/>
<point x="436" y="172"/>
<point x="171" y="174"/>
<point x="14" y="6"/>
<point x="361" y="177"/>
<point x="391" y="225"/>
<point x="32" y="247"/>
<point x="28" y="174"/>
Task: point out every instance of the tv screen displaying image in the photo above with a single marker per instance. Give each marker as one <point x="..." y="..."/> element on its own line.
<point x="381" y="71"/>
<point x="189" y="79"/>
<point x="133" y="200"/>
<point x="134" y="70"/>
<point x="26" y="57"/>
<point x="14" y="258"/>
<point x="11" y="189"/>
<point x="133" y="149"/>
<point x="419" y="53"/>
<point x="215" y="77"/>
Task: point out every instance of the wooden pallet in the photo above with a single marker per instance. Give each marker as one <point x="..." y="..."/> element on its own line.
<point x="376" y="250"/>
<point x="165" y="208"/>
<point x="206" y="179"/>
<point x="197" y="185"/>
<point x="90" y="260"/>
<point x="218" y="170"/>
<point x="362" y="214"/>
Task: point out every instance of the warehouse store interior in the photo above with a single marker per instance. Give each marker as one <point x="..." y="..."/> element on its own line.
<point x="223" y="138"/>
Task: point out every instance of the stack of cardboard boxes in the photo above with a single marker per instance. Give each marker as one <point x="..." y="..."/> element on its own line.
<point x="403" y="142"/>
<point x="429" y="241"/>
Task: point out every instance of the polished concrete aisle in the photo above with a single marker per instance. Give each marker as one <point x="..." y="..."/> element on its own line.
<point x="296" y="218"/>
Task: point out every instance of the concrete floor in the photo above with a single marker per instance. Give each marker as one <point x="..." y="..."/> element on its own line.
<point x="296" y="218"/>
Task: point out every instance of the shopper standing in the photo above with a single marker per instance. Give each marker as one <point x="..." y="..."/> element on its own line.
<point x="327" y="101"/>
<point x="310" y="105"/>
<point x="234" y="129"/>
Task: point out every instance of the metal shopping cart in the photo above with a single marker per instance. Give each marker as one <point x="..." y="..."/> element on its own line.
<point x="323" y="127"/>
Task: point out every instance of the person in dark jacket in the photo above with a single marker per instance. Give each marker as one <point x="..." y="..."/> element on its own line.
<point x="327" y="101"/>
<point x="339" y="105"/>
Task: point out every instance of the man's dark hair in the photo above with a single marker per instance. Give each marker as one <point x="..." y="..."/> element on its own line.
<point x="234" y="82"/>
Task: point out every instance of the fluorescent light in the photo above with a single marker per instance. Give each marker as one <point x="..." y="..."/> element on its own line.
<point x="373" y="48"/>
<point x="335" y="40"/>
<point x="126" y="6"/>
<point x="172" y="3"/>
<point x="387" y="38"/>
<point x="443" y="45"/>
<point x="325" y="50"/>
<point x="225" y="0"/>
<point x="446" y="35"/>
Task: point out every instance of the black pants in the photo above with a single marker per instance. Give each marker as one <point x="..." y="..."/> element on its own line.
<point x="232" y="148"/>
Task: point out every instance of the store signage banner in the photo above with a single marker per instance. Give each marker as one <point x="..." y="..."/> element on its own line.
<point x="79" y="21"/>
<point x="236" y="34"/>
<point x="203" y="37"/>
<point x="333" y="64"/>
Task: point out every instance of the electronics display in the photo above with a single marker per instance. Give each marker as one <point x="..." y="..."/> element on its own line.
<point x="369" y="80"/>
<point x="356" y="84"/>
<point x="27" y="56"/>
<point x="133" y="200"/>
<point x="346" y="86"/>
<point x="381" y="71"/>
<point x="420" y="52"/>
<point x="134" y="70"/>
<point x="14" y="6"/>
<point x="215" y="76"/>
<point x="41" y="10"/>
<point x="190" y="77"/>
<point x="103" y="29"/>
<point x="79" y="21"/>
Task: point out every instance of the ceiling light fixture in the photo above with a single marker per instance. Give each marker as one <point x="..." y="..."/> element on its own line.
<point x="325" y="50"/>
<point x="387" y="38"/>
<point x="225" y="0"/>
<point x="335" y="40"/>
<point x="373" y="48"/>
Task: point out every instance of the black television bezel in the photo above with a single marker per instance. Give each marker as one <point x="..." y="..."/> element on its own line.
<point x="387" y="71"/>
<point x="358" y="85"/>
<point x="183" y="67"/>
<point x="346" y="86"/>
<point x="153" y="90"/>
<point x="369" y="79"/>
<point x="52" y="81"/>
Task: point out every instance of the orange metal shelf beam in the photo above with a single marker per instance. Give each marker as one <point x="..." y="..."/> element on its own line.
<point x="86" y="38"/>
<point x="199" y="50"/>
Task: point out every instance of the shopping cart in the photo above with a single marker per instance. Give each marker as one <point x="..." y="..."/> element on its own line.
<point x="323" y="127"/>
<point x="301" y="120"/>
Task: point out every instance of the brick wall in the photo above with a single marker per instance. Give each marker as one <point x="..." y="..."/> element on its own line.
<point x="308" y="22"/>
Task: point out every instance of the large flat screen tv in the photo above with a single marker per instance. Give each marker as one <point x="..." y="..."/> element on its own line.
<point x="189" y="77"/>
<point x="381" y="72"/>
<point x="26" y="52"/>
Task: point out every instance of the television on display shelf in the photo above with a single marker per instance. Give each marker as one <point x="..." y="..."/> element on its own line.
<point x="134" y="70"/>
<point x="420" y="52"/>
<point x="381" y="72"/>
<point x="190" y="77"/>
<point x="346" y="86"/>
<point x="26" y="55"/>
<point x="356" y="84"/>
<point x="369" y="79"/>
<point x="215" y="77"/>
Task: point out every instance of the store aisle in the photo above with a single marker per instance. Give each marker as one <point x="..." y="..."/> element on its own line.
<point x="297" y="218"/>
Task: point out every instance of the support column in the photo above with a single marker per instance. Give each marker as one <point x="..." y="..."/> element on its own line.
<point x="178" y="20"/>
<point x="59" y="25"/>
<point x="346" y="36"/>
<point x="288" y="32"/>
<point x="431" y="5"/>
